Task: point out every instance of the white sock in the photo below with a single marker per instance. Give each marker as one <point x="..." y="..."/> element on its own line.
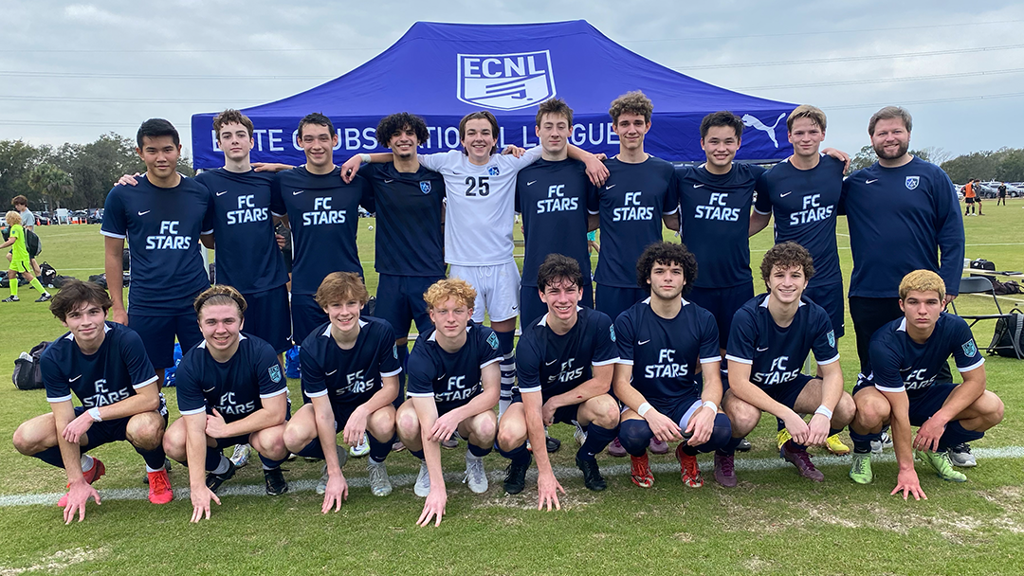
<point x="223" y="466"/>
<point x="87" y="462"/>
<point x="503" y="404"/>
<point x="151" y="470"/>
<point x="471" y="456"/>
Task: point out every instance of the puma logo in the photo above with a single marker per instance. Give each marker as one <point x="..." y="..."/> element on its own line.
<point x="756" y="123"/>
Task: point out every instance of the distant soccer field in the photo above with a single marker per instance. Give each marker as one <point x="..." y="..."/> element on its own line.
<point x="773" y="523"/>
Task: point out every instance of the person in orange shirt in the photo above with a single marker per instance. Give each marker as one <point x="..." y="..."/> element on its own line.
<point x="969" y="196"/>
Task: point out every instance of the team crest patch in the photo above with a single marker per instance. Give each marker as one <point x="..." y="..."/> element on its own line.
<point x="970" y="349"/>
<point x="425" y="187"/>
<point x="505" y="81"/>
<point x="912" y="182"/>
<point x="832" y="338"/>
<point x="493" y="171"/>
<point x="493" y="340"/>
<point x="394" y="351"/>
<point x="275" y="373"/>
<point x="612" y="330"/>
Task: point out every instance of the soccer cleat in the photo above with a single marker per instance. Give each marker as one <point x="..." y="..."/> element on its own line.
<point x="835" y="445"/>
<point x="615" y="449"/>
<point x="725" y="470"/>
<point x="580" y="435"/>
<point x="640" y="471"/>
<point x="782" y="437"/>
<point x="553" y="444"/>
<point x="275" y="482"/>
<point x="213" y="481"/>
<point x="160" y="487"/>
<point x="883" y="442"/>
<point x="11" y="299"/>
<point x="398" y="446"/>
<point x="860" y="468"/>
<point x="656" y="446"/>
<point x="422" y="486"/>
<point x="592" y="478"/>
<point x="321" y="486"/>
<point x="380" y="484"/>
<point x="939" y="461"/>
<point x="240" y="456"/>
<point x="451" y="443"/>
<point x="960" y="455"/>
<point x="515" y="476"/>
<point x="802" y="461"/>
<point x="91" y="475"/>
<point x="476" y="477"/>
<point x="45" y="297"/>
<point x="744" y="446"/>
<point x="688" y="469"/>
<point x="361" y="449"/>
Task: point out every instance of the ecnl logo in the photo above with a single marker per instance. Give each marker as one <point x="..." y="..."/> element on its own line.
<point x="505" y="81"/>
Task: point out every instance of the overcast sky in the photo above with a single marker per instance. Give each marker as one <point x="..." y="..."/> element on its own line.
<point x="72" y="71"/>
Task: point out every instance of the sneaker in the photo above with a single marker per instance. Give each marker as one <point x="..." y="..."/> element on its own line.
<point x="640" y="471"/>
<point x="592" y="478"/>
<point x="91" y="475"/>
<point x="422" y="486"/>
<point x="515" y="476"/>
<point x="615" y="449"/>
<point x="240" y="456"/>
<point x="883" y="442"/>
<point x="361" y="449"/>
<point x="725" y="470"/>
<point x="451" y="443"/>
<point x="860" y="468"/>
<point x="580" y="436"/>
<point x="321" y="486"/>
<point x="960" y="455"/>
<point x="939" y="461"/>
<point x="45" y="297"/>
<point x="688" y="469"/>
<point x="802" y="461"/>
<point x="782" y="437"/>
<point x="11" y="299"/>
<point x="476" y="477"/>
<point x="744" y="446"/>
<point x="159" y="487"/>
<point x="213" y="481"/>
<point x="835" y="445"/>
<point x="380" y="484"/>
<point x="657" y="446"/>
<point x="167" y="467"/>
<point x="397" y="446"/>
<point x="275" y="482"/>
<point x="553" y="444"/>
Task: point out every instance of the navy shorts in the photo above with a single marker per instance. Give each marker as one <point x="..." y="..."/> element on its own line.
<point x="786" y="394"/>
<point x="563" y="415"/>
<point x="723" y="304"/>
<point x="677" y="411"/>
<point x="158" y="332"/>
<point x="923" y="403"/>
<point x="306" y="316"/>
<point x="613" y="300"/>
<point x="830" y="297"/>
<point x="223" y="443"/>
<point x="400" y="302"/>
<point x="267" y="317"/>
<point x="531" y="307"/>
<point x="108" y="431"/>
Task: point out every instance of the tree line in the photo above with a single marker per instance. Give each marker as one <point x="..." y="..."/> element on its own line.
<point x="1003" y="165"/>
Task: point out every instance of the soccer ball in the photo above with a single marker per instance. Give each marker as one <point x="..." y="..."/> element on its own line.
<point x="370" y="227"/>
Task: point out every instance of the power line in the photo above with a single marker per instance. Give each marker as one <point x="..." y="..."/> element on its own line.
<point x="851" y="58"/>
<point x="934" y="101"/>
<point x="877" y="80"/>
<point x="808" y="33"/>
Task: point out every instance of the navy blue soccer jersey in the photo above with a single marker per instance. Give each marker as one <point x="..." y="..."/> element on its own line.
<point x="235" y="388"/>
<point x="162" y="226"/>
<point x="913" y="208"/>
<point x="111" y="374"/>
<point x="804" y="203"/>
<point x="664" y="353"/>
<point x="554" y="199"/>
<point x="348" y="377"/>
<point x="631" y="205"/>
<point x="409" y="236"/>
<point x="323" y="212"/>
<point x="714" y="221"/>
<point x="248" y="256"/>
<point x="776" y="354"/>
<point x="899" y="364"/>
<point x="452" y="380"/>
<point x="553" y="364"/>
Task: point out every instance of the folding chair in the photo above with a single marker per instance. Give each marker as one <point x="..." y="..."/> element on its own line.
<point x="983" y="285"/>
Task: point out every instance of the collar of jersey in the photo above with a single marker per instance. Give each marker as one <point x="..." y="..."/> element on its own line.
<point x="648" y="301"/>
<point x="544" y="318"/>
<point x="767" y="296"/>
<point x="433" y="335"/>
<point x="203" y="343"/>
<point x="106" y="328"/>
<point x="327" y="331"/>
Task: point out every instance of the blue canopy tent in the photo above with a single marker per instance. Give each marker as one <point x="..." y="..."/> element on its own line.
<point x="443" y="71"/>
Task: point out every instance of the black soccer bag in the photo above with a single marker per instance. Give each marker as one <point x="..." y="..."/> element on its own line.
<point x="1007" y="338"/>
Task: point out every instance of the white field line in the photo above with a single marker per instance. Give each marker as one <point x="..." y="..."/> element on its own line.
<point x="496" y="476"/>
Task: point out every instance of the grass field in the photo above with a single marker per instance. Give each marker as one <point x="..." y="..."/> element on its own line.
<point x="773" y="523"/>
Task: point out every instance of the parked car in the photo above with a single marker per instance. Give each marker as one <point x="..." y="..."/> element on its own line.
<point x="43" y="218"/>
<point x="96" y="216"/>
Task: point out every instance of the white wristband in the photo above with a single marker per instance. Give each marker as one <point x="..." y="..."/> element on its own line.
<point x="712" y="405"/>
<point x="824" y="411"/>
<point x="644" y="409"/>
<point x="365" y="158"/>
<point x="95" y="414"/>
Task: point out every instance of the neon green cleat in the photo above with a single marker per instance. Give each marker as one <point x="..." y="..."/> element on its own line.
<point x="782" y="437"/>
<point x="860" y="469"/>
<point x="836" y="446"/>
<point x="939" y="461"/>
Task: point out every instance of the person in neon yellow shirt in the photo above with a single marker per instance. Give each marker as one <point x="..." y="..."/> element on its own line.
<point x="20" y="262"/>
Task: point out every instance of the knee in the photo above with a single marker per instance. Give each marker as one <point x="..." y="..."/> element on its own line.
<point x="606" y="413"/>
<point x="382" y="422"/>
<point x="174" y="444"/>
<point x="269" y="442"/>
<point x="995" y="409"/>
<point x="742" y="417"/>
<point x="295" y="436"/>
<point x="22" y="443"/>
<point x="845" y="409"/>
<point x="145" y="431"/>
<point x="486" y="425"/>
<point x="870" y="414"/>
<point x="408" y="424"/>
<point x="511" y="434"/>
<point x="635" y="435"/>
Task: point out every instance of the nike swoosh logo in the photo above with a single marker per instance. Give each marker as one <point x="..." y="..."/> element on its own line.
<point x="222" y="192"/>
<point x="75" y="378"/>
<point x="610" y="186"/>
<point x="514" y="308"/>
<point x="870" y="181"/>
<point x="698" y="185"/>
<point x="205" y="391"/>
<point x="762" y="349"/>
<point x="905" y="369"/>
<point x="297" y="192"/>
<point x="550" y="363"/>
<point x="331" y="372"/>
<point x="531" y="183"/>
<point x="644" y="342"/>
<point x="389" y="181"/>
<point x="144" y="213"/>
<point x="786" y="194"/>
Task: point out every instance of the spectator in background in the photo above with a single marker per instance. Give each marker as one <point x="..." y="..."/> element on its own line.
<point x="28" y="222"/>
<point x="969" y="195"/>
<point x="1002" y="194"/>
